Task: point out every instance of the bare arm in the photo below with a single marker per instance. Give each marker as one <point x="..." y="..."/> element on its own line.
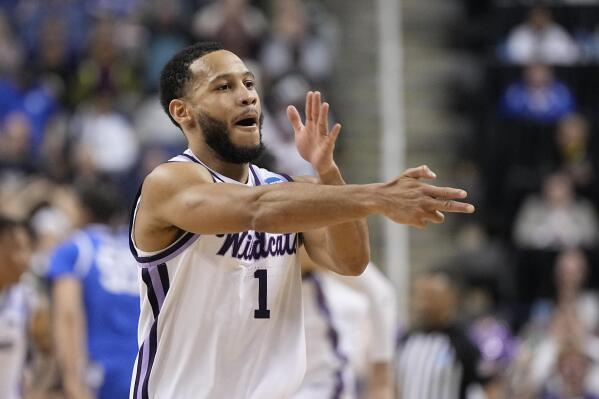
<point x="178" y="196"/>
<point x="343" y="248"/>
<point x="69" y="335"/>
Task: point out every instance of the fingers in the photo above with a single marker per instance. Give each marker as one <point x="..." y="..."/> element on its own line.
<point x="315" y="108"/>
<point x="421" y="172"/>
<point x="449" y="206"/>
<point x="294" y="117"/>
<point x="309" y="105"/>
<point x="444" y="192"/>
<point x="435" y="217"/>
<point x="318" y="112"/>
<point x="323" y="119"/>
<point x="335" y="132"/>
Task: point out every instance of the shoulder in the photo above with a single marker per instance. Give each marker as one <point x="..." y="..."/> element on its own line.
<point x="68" y="254"/>
<point x="170" y="176"/>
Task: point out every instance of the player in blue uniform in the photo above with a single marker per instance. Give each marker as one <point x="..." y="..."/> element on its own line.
<point x="96" y="301"/>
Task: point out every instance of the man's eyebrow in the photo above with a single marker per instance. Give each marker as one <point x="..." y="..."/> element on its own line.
<point x="230" y="75"/>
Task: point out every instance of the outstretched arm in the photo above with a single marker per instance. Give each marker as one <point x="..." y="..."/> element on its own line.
<point x="179" y="196"/>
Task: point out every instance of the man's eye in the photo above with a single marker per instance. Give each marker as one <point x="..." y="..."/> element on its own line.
<point x="249" y="84"/>
<point x="223" y="87"/>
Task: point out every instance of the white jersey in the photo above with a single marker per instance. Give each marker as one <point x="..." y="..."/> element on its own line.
<point x="221" y="315"/>
<point x="350" y="324"/>
<point x="15" y="313"/>
<point x="336" y="319"/>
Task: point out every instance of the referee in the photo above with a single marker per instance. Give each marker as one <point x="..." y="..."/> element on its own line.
<point x="436" y="359"/>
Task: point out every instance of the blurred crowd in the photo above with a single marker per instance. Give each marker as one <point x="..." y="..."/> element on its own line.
<point x="79" y="79"/>
<point x="529" y="153"/>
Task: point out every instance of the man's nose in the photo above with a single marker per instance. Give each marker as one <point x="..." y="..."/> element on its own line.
<point x="248" y="97"/>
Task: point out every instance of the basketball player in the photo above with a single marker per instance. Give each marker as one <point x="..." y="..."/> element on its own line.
<point x="217" y="237"/>
<point x="96" y="301"/>
<point x="16" y="308"/>
<point x="350" y="334"/>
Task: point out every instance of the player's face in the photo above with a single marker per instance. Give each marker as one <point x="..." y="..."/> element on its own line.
<point x="223" y="96"/>
<point x="15" y="249"/>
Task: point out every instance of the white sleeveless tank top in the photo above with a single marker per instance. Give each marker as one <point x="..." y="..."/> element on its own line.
<point x="221" y="315"/>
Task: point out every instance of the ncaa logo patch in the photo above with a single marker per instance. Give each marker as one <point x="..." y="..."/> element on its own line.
<point x="274" y="180"/>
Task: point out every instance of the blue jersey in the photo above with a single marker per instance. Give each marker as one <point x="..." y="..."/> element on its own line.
<point x="99" y="257"/>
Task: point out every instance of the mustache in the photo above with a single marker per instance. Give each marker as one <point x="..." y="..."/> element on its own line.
<point x="217" y="136"/>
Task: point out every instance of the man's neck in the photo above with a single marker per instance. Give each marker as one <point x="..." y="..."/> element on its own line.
<point x="207" y="155"/>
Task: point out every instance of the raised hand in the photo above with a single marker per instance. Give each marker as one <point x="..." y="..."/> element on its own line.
<point x="415" y="203"/>
<point x="314" y="141"/>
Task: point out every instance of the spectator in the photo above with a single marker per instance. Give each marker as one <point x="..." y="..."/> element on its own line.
<point x="437" y="358"/>
<point x="557" y="219"/>
<point x="237" y="24"/>
<point x="154" y="128"/>
<point x="31" y="18"/>
<point x="574" y="154"/>
<point x="15" y="145"/>
<point x="569" y="380"/>
<point x="11" y="53"/>
<point x="105" y="143"/>
<point x="54" y="61"/>
<point x="497" y="347"/>
<point x="559" y="330"/>
<point x="572" y="298"/>
<point x="540" y="39"/>
<point x="167" y="36"/>
<point x="96" y="301"/>
<point x="105" y="69"/>
<point x="295" y="46"/>
<point x="34" y="99"/>
<point x="539" y="97"/>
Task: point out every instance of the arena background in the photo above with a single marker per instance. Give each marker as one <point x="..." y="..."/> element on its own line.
<point x="462" y="86"/>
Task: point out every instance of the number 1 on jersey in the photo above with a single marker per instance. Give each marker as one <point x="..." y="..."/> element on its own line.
<point x="262" y="312"/>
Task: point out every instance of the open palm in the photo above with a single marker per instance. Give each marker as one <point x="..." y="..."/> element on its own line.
<point x="314" y="141"/>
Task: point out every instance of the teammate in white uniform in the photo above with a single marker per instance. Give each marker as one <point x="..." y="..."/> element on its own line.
<point x="15" y="307"/>
<point x="350" y="334"/>
<point x="221" y="310"/>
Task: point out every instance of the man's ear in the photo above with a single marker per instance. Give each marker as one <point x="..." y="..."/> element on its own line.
<point x="179" y="111"/>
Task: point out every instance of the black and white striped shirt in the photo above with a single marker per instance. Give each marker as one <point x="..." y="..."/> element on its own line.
<point x="437" y="364"/>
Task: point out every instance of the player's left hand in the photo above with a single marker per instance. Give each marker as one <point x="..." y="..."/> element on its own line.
<point x="314" y="141"/>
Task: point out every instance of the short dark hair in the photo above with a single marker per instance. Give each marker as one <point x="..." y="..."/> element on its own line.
<point x="176" y="73"/>
<point x="101" y="199"/>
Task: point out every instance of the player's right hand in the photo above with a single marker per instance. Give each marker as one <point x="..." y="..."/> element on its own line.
<point x="408" y="200"/>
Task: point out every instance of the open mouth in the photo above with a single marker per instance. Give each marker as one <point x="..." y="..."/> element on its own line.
<point x="247" y="122"/>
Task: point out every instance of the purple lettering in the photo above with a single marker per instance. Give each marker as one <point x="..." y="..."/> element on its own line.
<point x="232" y="240"/>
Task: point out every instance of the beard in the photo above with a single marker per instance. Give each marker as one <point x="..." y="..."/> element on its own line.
<point x="216" y="135"/>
